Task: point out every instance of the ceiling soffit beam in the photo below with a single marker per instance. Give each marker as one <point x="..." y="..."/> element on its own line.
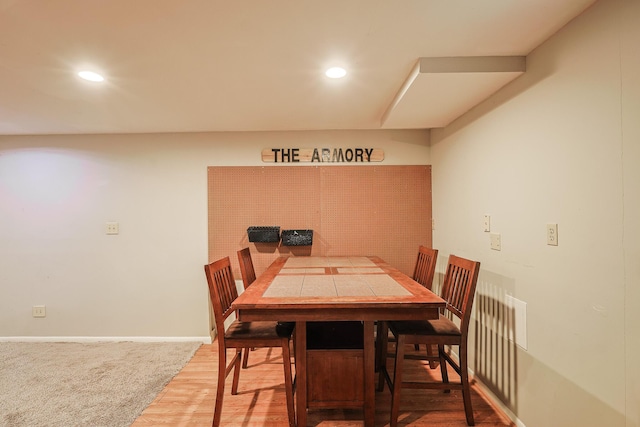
<point x="478" y="66"/>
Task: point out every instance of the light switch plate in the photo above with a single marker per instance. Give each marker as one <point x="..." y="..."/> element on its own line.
<point x="487" y="223"/>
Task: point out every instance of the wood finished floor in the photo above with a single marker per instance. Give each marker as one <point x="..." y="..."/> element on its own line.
<point x="189" y="398"/>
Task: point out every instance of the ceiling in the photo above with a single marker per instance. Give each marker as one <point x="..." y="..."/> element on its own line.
<point x="214" y="65"/>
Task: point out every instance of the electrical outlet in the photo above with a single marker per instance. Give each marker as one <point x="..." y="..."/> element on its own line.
<point x="113" y="228"/>
<point x="496" y="243"/>
<point x="552" y="234"/>
<point x="487" y="223"/>
<point x="39" y="311"/>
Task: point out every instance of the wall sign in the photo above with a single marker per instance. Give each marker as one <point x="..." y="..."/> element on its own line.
<point x="322" y="155"/>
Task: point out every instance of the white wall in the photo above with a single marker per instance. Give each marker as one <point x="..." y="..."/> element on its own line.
<point x="558" y="145"/>
<point x="57" y="193"/>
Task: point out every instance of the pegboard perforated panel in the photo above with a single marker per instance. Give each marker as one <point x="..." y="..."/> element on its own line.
<point x="352" y="210"/>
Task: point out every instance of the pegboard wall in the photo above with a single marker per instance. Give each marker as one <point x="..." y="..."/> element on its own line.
<point x="352" y="210"/>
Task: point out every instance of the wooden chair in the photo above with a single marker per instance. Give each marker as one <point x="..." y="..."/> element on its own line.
<point x="239" y="335"/>
<point x="423" y="274"/>
<point x="458" y="290"/>
<point x="246" y="267"/>
<point x="425" y="266"/>
<point x="248" y="274"/>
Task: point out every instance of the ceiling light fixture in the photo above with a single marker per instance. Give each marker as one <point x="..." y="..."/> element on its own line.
<point x="91" y="76"/>
<point x="336" y="72"/>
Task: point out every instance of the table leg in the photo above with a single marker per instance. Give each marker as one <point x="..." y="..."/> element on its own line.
<point x="301" y="373"/>
<point x="369" y="375"/>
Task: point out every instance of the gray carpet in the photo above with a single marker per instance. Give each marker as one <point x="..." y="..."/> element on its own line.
<point x="84" y="384"/>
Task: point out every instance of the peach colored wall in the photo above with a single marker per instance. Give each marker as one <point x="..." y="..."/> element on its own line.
<point x="352" y="210"/>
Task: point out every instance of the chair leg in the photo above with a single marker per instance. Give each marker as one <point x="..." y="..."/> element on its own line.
<point x="381" y="353"/>
<point x="397" y="381"/>
<point x="236" y="371"/>
<point x="466" y="388"/>
<point x="443" y="366"/>
<point x="293" y="344"/>
<point x="288" y="382"/>
<point x="222" y="367"/>
<point x="245" y="357"/>
<point x="432" y="351"/>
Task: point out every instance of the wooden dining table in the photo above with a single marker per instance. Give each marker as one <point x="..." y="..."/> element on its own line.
<point x="328" y="288"/>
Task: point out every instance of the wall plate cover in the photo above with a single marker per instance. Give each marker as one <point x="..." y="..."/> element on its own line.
<point x="496" y="243"/>
<point x="39" y="311"/>
<point x="487" y="223"/>
<point x="552" y="234"/>
<point x="112" y="228"/>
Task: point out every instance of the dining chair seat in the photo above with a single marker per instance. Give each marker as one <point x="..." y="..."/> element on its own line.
<point x="237" y="331"/>
<point x="442" y="327"/>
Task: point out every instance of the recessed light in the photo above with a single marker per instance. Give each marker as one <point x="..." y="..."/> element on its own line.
<point x="91" y="76"/>
<point x="336" y="72"/>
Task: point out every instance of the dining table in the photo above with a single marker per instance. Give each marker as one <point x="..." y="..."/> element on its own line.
<point x="364" y="289"/>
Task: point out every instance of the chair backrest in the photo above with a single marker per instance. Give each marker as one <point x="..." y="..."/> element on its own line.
<point x="425" y="266"/>
<point x="246" y="267"/>
<point x="222" y="291"/>
<point x="459" y="288"/>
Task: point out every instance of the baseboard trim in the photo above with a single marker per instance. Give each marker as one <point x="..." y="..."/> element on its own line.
<point x="204" y="339"/>
<point x="490" y="397"/>
<point x="496" y="403"/>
